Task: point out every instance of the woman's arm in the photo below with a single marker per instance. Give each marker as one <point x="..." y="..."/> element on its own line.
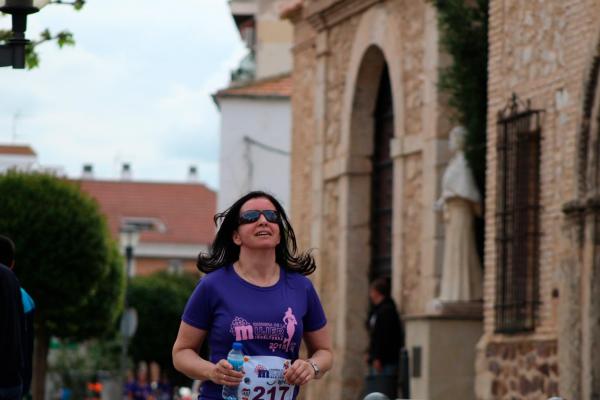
<point x="318" y="344"/>
<point x="187" y="361"/>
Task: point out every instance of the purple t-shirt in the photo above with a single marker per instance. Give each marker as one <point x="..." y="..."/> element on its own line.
<point x="267" y="320"/>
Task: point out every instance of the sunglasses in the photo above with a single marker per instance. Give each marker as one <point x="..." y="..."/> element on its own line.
<point x="250" y="216"/>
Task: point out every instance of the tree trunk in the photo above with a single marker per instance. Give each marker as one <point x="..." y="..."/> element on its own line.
<point x="40" y="361"/>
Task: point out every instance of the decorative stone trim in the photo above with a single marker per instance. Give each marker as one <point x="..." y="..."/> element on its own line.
<point x="405" y="145"/>
<point x="584" y="131"/>
<point x="574" y="211"/>
<point x="325" y="18"/>
<point x="338" y="167"/>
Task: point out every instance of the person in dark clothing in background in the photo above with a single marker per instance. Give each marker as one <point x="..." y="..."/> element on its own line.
<point x="28" y="309"/>
<point x="386" y="335"/>
<point x="23" y="344"/>
<point x="12" y="325"/>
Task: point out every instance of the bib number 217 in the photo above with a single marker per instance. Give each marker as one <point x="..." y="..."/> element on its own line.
<point x="273" y="393"/>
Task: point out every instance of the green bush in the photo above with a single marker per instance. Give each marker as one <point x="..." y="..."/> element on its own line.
<point x="64" y="258"/>
<point x="464" y="35"/>
<point x="159" y="300"/>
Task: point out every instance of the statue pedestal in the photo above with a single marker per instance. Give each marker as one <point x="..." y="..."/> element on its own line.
<point x="441" y="347"/>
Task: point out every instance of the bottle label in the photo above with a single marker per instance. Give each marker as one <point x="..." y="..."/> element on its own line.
<point x="263" y="379"/>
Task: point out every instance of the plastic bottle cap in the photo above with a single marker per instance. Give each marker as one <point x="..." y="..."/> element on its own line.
<point x="237" y="346"/>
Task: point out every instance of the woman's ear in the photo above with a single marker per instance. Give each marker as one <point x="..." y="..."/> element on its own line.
<point x="236" y="238"/>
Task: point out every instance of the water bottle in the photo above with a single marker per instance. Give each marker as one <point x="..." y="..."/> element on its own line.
<point x="236" y="359"/>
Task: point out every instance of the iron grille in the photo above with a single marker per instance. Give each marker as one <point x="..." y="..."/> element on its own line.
<point x="382" y="182"/>
<point x="517" y="217"/>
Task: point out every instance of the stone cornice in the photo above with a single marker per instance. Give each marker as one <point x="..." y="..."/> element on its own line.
<point x="589" y="205"/>
<point x="324" y="17"/>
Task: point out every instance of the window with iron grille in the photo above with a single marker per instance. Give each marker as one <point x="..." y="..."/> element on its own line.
<point x="382" y="182"/>
<point x="517" y="217"/>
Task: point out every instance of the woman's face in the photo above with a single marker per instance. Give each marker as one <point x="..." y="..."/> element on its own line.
<point x="260" y="234"/>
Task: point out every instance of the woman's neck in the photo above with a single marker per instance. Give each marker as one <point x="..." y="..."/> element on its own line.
<point x="258" y="267"/>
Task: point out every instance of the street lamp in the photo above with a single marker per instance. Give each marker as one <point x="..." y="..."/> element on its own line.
<point x="13" y="53"/>
<point x="130" y="234"/>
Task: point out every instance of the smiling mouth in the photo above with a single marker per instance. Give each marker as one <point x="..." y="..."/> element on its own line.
<point x="263" y="234"/>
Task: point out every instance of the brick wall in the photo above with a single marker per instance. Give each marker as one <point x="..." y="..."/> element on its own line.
<point x="540" y="50"/>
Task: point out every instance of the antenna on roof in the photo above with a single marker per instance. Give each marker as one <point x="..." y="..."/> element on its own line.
<point x="15" y="119"/>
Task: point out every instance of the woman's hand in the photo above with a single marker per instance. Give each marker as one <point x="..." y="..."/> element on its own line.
<point x="299" y="373"/>
<point x="224" y="374"/>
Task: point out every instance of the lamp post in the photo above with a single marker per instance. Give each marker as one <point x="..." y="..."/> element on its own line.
<point x="13" y="53"/>
<point x="129" y="235"/>
<point x="129" y="239"/>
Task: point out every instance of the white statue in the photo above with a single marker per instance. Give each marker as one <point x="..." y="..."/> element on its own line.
<point x="460" y="202"/>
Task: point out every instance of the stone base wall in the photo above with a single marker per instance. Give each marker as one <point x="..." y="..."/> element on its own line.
<point x="519" y="370"/>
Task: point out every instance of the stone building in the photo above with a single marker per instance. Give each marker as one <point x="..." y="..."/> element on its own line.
<point x="542" y="276"/>
<point x="364" y="100"/>
<point x="369" y="145"/>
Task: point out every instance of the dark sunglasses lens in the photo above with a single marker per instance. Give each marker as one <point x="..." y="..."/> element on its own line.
<point x="248" y="217"/>
<point x="271" y="215"/>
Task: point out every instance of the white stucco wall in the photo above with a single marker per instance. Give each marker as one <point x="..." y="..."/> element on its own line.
<point x="17" y="161"/>
<point x="264" y="120"/>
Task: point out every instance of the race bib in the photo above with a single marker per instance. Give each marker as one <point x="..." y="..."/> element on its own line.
<point x="263" y="379"/>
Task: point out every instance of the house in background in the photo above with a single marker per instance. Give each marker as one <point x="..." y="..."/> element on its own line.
<point x="182" y="211"/>
<point x="255" y="108"/>
<point x="255" y="139"/>
<point x="19" y="157"/>
<point x="22" y="157"/>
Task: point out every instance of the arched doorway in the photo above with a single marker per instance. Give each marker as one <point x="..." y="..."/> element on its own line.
<point x="382" y="181"/>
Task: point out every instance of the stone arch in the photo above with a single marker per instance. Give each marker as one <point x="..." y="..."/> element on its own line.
<point x="377" y="42"/>
<point x="587" y="143"/>
<point x="579" y="323"/>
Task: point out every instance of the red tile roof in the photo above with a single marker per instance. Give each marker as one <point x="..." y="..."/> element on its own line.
<point x="278" y="86"/>
<point x="186" y="209"/>
<point x="14" y="149"/>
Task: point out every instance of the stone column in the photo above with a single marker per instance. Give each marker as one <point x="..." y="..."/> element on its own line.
<point x="569" y="313"/>
<point x="317" y="390"/>
<point x="590" y="321"/>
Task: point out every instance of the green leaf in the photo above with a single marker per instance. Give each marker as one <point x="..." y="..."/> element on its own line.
<point x="5" y="35"/>
<point x="65" y="38"/>
<point x="45" y="35"/>
<point x="32" y="59"/>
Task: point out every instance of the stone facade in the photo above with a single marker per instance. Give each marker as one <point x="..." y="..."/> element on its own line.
<point x="340" y="50"/>
<point x="523" y="369"/>
<point x="544" y="52"/>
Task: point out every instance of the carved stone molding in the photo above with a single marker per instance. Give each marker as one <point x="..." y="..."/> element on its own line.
<point x="325" y="17"/>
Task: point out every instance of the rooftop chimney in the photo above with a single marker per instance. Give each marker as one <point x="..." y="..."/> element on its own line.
<point x="126" y="172"/>
<point x="192" y="174"/>
<point x="88" y="171"/>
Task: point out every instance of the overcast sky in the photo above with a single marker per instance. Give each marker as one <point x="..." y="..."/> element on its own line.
<point x="135" y="88"/>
